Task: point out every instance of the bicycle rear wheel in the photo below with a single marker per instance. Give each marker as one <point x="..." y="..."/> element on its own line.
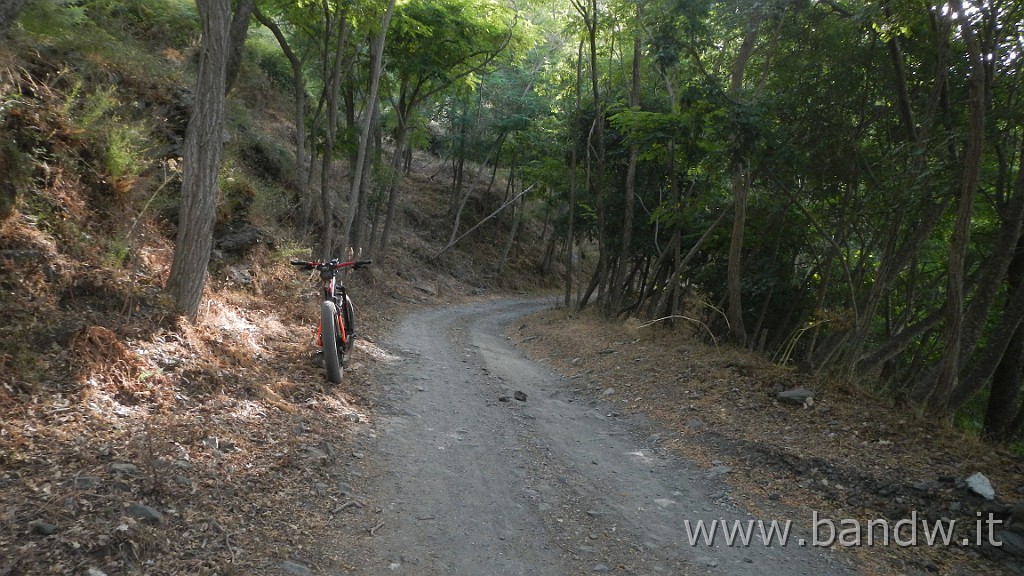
<point x="329" y="340"/>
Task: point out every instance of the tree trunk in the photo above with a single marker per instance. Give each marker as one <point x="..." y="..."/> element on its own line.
<point x="949" y="367"/>
<point x="201" y="162"/>
<point x="236" y="43"/>
<point x="573" y="183"/>
<point x="595" y="142"/>
<point x="740" y="192"/>
<point x="734" y="276"/>
<point x="298" y="118"/>
<point x="518" y="218"/>
<point x="332" y="99"/>
<point x="1004" y="397"/>
<point x="401" y="141"/>
<point x="361" y="168"/>
<point x="617" y="295"/>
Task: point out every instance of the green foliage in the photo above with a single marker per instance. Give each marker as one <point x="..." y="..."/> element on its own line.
<point x="121" y="144"/>
<point x="263" y="48"/>
<point x="434" y="44"/>
<point x="160" y="22"/>
<point x="126" y="151"/>
<point x="53" y="19"/>
<point x="116" y="254"/>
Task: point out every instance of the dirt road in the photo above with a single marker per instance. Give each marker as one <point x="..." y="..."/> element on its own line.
<point x="477" y="482"/>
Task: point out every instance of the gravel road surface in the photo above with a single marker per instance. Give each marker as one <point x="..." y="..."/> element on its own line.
<point x="473" y="481"/>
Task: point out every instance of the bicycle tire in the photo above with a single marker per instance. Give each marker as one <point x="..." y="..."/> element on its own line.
<point x="348" y="314"/>
<point x="329" y="340"/>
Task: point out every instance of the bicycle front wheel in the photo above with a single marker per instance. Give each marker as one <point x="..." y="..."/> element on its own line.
<point x="329" y="340"/>
<point x="348" y="317"/>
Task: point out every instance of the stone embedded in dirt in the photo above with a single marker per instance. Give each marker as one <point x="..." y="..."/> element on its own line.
<point x="144" y="513"/>
<point x="1012" y="542"/>
<point x="600" y="568"/>
<point x="124" y="468"/>
<point x="296" y="568"/>
<point x="520" y="395"/>
<point x="42" y="527"/>
<point x="797" y="396"/>
<point x="426" y="289"/>
<point x="608" y="392"/>
<point x="240" y="275"/>
<point x="314" y="453"/>
<point x="717" y="471"/>
<point x="86" y="482"/>
<point x="980" y="485"/>
<point x="504" y="398"/>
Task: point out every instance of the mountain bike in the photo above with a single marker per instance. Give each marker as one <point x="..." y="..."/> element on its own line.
<point x="336" y="331"/>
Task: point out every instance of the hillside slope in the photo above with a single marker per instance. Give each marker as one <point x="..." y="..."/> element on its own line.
<point x="132" y="440"/>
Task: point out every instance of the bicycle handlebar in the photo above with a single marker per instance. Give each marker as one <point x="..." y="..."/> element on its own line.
<point x="332" y="265"/>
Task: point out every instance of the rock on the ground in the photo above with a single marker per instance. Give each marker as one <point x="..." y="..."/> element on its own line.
<point x="124" y="468"/>
<point x="798" y="396"/>
<point x="42" y="527"/>
<point x="144" y="513"/>
<point x="717" y="471"/>
<point x="980" y="485"/>
<point x="1012" y="542"/>
<point x="296" y="568"/>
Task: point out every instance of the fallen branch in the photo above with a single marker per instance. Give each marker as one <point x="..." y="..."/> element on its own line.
<point x="480" y="223"/>
<point x="687" y="318"/>
<point x="346" y="505"/>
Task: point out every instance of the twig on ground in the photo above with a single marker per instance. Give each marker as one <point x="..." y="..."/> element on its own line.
<point x="376" y="527"/>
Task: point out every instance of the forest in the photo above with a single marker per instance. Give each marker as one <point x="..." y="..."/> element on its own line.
<point x="835" y="184"/>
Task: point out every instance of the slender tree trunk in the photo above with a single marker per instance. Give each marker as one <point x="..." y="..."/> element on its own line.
<point x="327" y="193"/>
<point x="595" y="143"/>
<point x="734" y="272"/>
<point x="1005" y="395"/>
<point x="740" y="193"/>
<point x="201" y="160"/>
<point x="519" y="209"/>
<point x="298" y="118"/>
<point x="949" y="366"/>
<point x="570" y="238"/>
<point x="401" y="141"/>
<point x="358" y="232"/>
<point x="239" y="32"/>
<point x="361" y="167"/>
<point x="1000" y="337"/>
<point x="617" y="295"/>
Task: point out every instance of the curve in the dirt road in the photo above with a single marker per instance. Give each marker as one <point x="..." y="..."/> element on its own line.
<point x="478" y="482"/>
